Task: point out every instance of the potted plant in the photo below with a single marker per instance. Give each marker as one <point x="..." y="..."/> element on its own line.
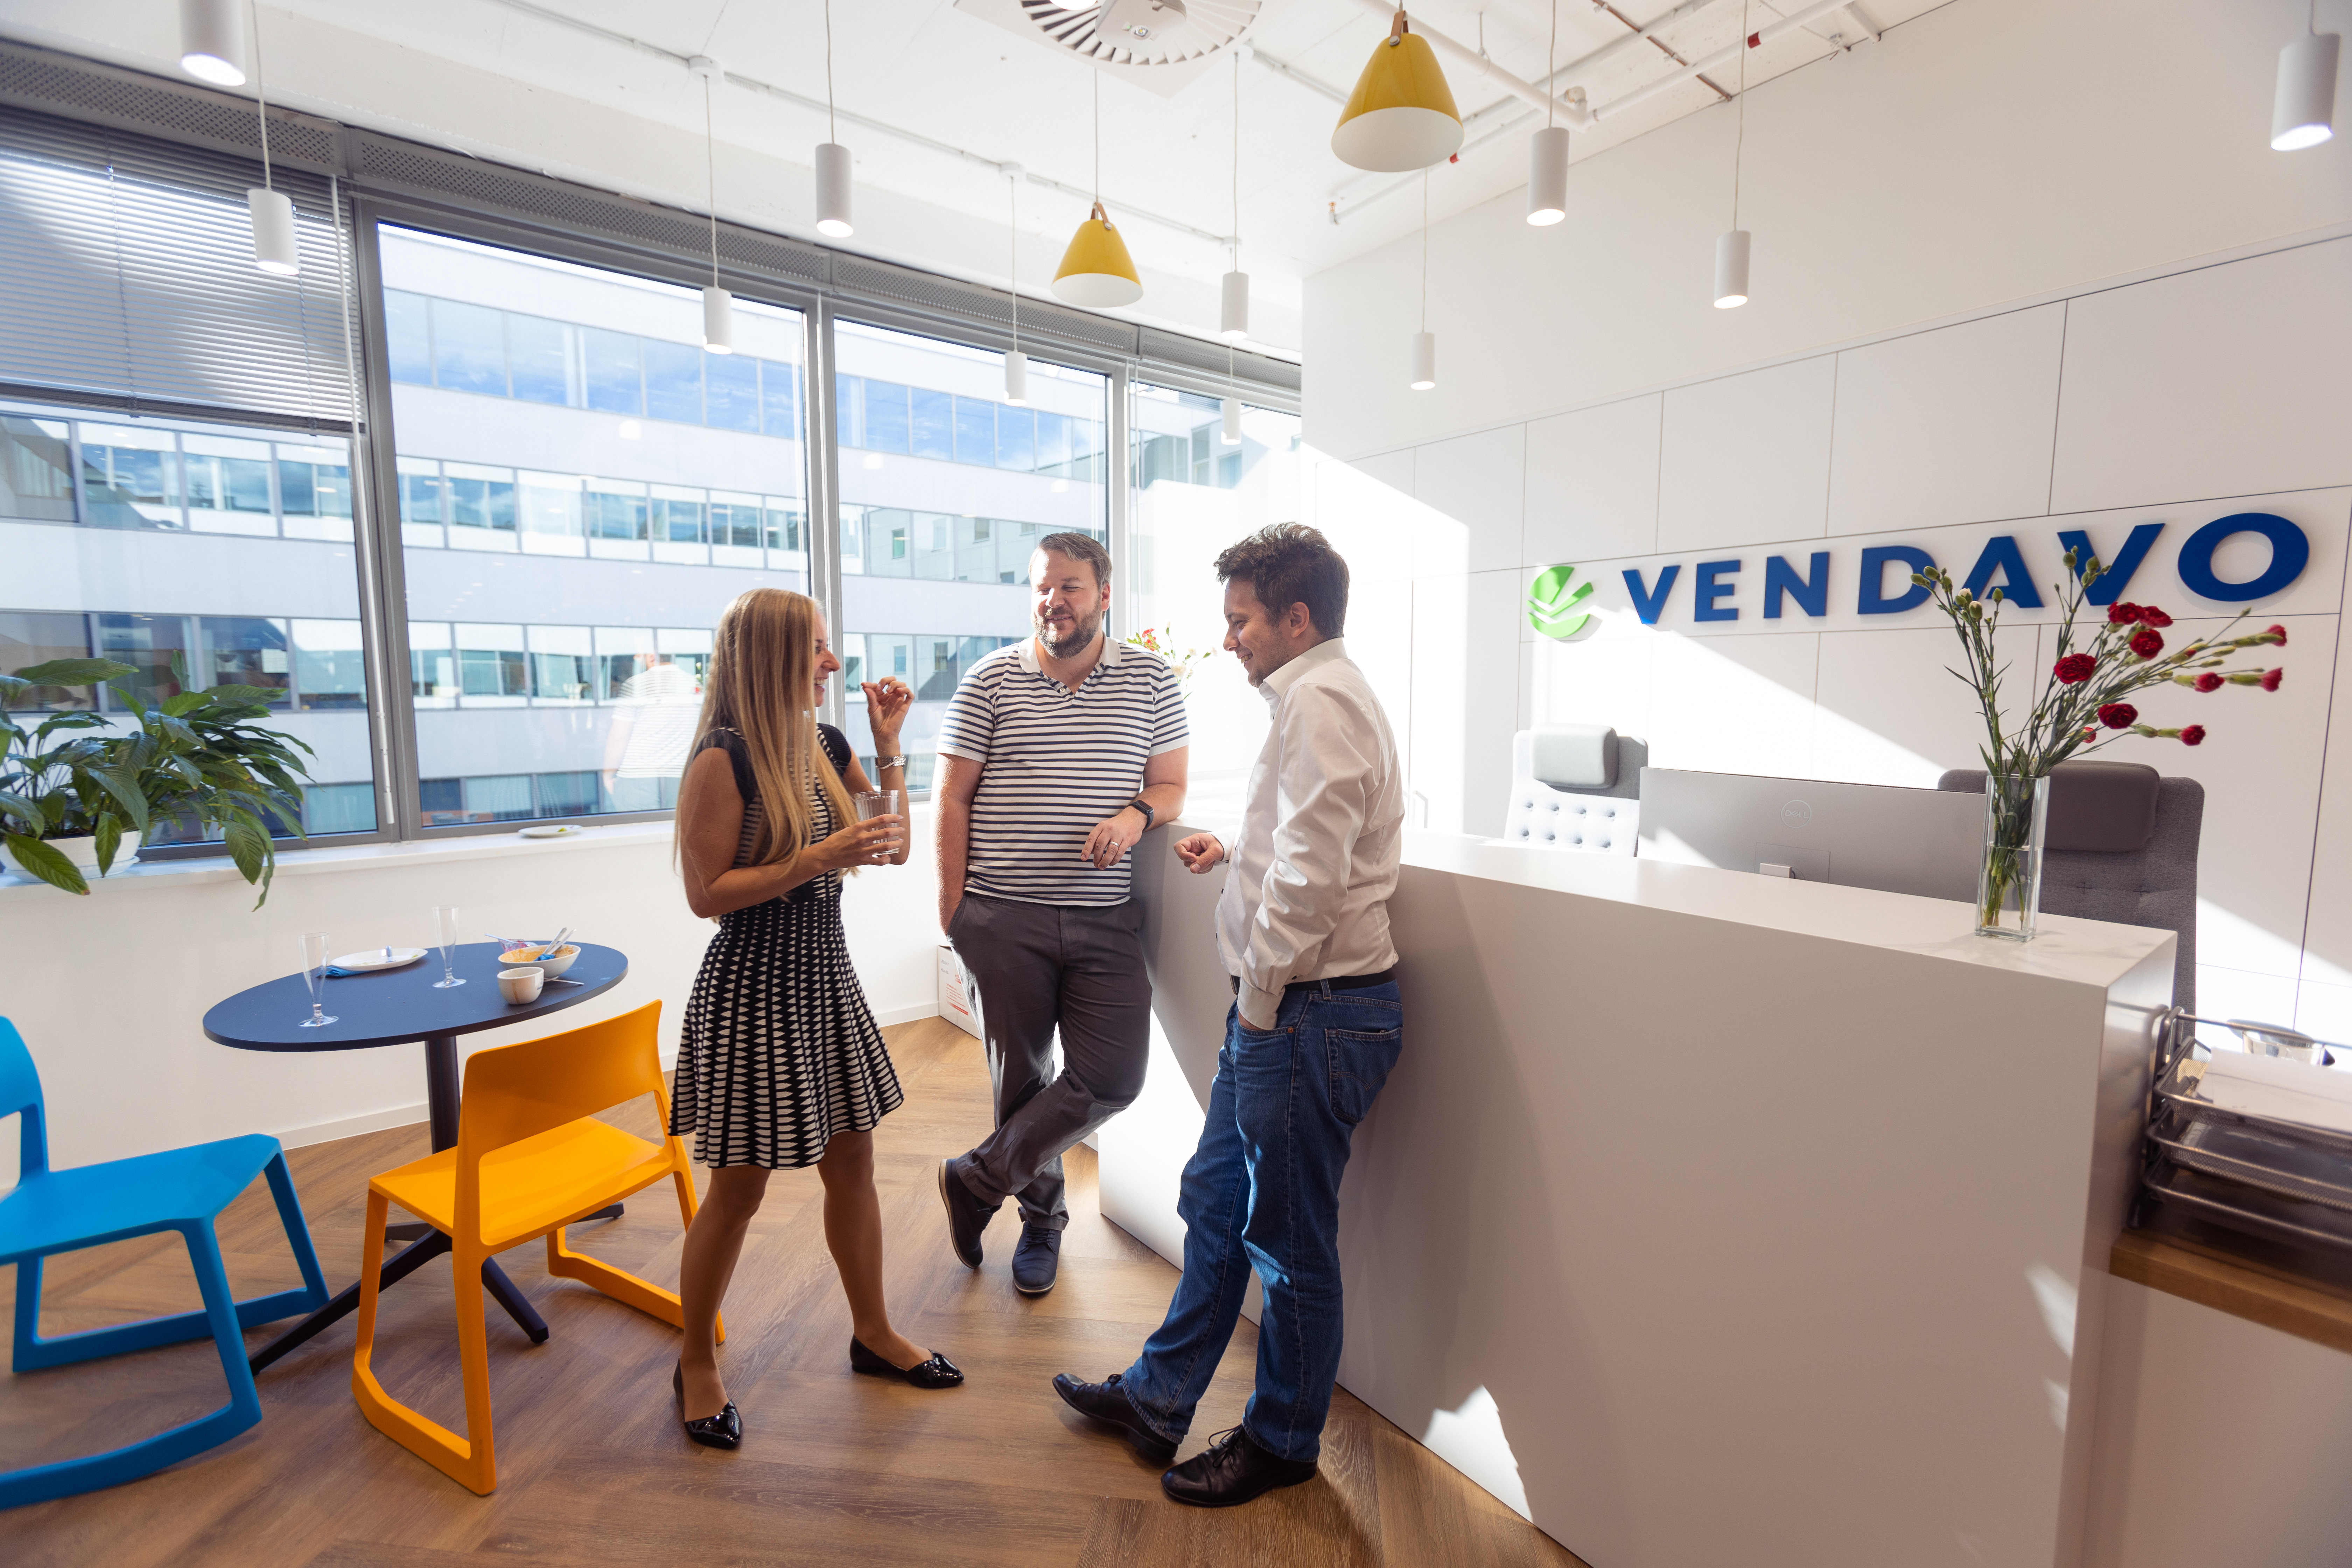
<point x="2080" y="709"/>
<point x="195" y="756"/>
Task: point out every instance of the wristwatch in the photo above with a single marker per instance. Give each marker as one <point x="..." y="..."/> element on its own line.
<point x="881" y="762"/>
<point x="1137" y="804"/>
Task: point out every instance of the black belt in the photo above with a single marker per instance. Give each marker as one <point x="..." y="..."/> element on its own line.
<point x="1337" y="983"/>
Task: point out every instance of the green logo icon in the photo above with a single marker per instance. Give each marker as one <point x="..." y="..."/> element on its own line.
<point x="1552" y="603"/>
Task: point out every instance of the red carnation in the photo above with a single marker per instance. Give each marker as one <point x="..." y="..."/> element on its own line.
<point x="2147" y="643"/>
<point x="2123" y="614"/>
<point x="2074" y="668"/>
<point x="2119" y="715"/>
<point x="2193" y="736"/>
<point x="2149" y="615"/>
<point x="2208" y="681"/>
<point x="2271" y="679"/>
<point x="2279" y="633"/>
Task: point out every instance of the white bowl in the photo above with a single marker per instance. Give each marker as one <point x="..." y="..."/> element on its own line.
<point x="529" y="958"/>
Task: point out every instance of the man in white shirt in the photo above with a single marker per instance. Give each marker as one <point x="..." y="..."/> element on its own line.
<point x="1316" y="1024"/>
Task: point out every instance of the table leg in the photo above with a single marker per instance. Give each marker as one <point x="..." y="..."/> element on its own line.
<point x="348" y="1301"/>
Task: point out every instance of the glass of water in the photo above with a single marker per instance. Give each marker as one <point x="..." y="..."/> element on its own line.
<point x="314" y="976"/>
<point x="444" y="934"/>
<point x="881" y="802"/>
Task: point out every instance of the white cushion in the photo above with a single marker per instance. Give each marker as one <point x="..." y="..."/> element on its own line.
<point x="1569" y="756"/>
<point x="1542" y="818"/>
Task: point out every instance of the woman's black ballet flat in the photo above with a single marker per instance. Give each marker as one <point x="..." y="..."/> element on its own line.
<point x="724" y="1430"/>
<point x="937" y="1372"/>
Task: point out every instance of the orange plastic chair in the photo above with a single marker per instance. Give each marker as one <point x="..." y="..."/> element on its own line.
<point x="531" y="1159"/>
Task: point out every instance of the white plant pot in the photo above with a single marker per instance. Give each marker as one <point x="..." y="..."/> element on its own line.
<point x="83" y="851"/>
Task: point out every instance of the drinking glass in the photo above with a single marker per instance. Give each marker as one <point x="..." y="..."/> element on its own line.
<point x="445" y="935"/>
<point x="881" y="802"/>
<point x="314" y="976"/>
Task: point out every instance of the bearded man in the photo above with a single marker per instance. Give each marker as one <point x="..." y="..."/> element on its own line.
<point x="1058" y="755"/>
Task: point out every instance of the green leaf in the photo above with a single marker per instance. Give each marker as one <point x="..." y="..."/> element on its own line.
<point x="264" y="695"/>
<point x="73" y="672"/>
<point x="109" y="838"/>
<point x="123" y="785"/>
<point x="185" y="700"/>
<point x="43" y="862"/>
<point x="246" y="844"/>
<point x="23" y="810"/>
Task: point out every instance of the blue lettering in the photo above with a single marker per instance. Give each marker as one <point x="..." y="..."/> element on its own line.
<point x="2115" y="576"/>
<point x="2290" y="553"/>
<point x="1811" y="592"/>
<point x="2016" y="581"/>
<point x="1645" y="603"/>
<point x="1875" y="562"/>
<point x="1707" y="591"/>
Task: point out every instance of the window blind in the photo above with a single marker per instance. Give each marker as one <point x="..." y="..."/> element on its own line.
<point x="126" y="272"/>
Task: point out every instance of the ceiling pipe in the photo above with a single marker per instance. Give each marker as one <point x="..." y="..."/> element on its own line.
<point x="1762" y="36"/>
<point x="1471" y="60"/>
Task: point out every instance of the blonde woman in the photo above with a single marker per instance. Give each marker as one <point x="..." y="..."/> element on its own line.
<point x="779" y="1065"/>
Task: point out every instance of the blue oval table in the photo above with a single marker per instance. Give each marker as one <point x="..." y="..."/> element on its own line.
<point x="398" y="1008"/>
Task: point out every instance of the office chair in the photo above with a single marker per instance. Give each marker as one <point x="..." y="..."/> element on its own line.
<point x="1576" y="787"/>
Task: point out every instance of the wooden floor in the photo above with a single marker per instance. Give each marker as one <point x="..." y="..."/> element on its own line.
<point x="591" y="1465"/>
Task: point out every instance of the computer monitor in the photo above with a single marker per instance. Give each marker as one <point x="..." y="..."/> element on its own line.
<point x="1921" y="841"/>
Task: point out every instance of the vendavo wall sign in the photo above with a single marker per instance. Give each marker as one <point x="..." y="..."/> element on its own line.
<point x="1880" y="581"/>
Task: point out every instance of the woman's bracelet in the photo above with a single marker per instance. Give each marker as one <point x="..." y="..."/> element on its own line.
<point x="881" y="762"/>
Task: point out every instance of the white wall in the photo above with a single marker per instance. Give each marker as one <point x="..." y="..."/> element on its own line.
<point x="1989" y="151"/>
<point x="123" y="1060"/>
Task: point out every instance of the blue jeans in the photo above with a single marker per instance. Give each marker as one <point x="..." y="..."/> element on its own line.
<point x="1262" y="1192"/>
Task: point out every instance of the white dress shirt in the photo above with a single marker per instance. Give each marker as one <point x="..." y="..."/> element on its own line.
<point x="1313" y="864"/>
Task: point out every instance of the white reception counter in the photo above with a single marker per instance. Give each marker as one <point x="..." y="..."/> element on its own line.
<point x="1714" y="1219"/>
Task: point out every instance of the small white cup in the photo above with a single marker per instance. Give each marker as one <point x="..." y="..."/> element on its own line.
<point x="521" y="985"/>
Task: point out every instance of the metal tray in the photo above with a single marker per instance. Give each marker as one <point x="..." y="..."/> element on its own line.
<point x="2242" y="1150"/>
<point x="2244" y="1207"/>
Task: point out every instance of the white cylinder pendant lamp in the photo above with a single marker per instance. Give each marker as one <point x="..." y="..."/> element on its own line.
<point x="274" y="248"/>
<point x="1016" y="378"/>
<point x="1547" y="176"/>
<point x="1232" y="433"/>
<point x="1233" y="313"/>
<point x="832" y="190"/>
<point x="718" y="319"/>
<point x="211" y="41"/>
<point x="2303" y="114"/>
<point x="1425" y="361"/>
<point x="1731" y="269"/>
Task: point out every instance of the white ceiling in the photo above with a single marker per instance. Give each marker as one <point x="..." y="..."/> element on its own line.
<point x="972" y="84"/>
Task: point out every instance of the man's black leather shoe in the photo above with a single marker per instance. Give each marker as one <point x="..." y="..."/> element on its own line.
<point x="1037" y="1259"/>
<point x="1108" y="1403"/>
<point x="1231" y="1470"/>
<point x="967" y="1216"/>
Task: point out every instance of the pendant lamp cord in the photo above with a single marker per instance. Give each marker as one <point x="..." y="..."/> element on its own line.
<point x="1550" y="51"/>
<point x="1739" y="143"/>
<point x="1238" y="170"/>
<point x="832" y="131"/>
<point x="1425" y="250"/>
<point x="260" y="93"/>
<point x="711" y="175"/>
<point x="1013" y="251"/>
<point x="1098" y="74"/>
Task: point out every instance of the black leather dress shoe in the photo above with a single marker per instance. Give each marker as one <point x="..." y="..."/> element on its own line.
<point x="724" y="1430"/>
<point x="1231" y="1470"/>
<point x="1108" y="1403"/>
<point x="967" y="1216"/>
<point x="1037" y="1259"/>
<point x="937" y="1372"/>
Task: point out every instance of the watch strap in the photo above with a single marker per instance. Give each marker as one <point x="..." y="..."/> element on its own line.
<point x="1137" y="805"/>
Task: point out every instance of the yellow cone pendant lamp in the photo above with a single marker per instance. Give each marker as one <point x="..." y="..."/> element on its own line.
<point x="1096" y="270"/>
<point x="1402" y="115"/>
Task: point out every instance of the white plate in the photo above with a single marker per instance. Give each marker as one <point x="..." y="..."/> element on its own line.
<point x="373" y="958"/>
<point x="551" y="830"/>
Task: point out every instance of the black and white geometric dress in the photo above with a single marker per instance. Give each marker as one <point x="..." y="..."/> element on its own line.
<point x="779" y="1050"/>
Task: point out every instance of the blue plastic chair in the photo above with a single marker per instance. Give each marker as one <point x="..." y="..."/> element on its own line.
<point x="179" y="1189"/>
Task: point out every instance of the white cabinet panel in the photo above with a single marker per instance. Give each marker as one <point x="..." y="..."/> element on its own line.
<point x="1951" y="425"/>
<point x="1466" y="701"/>
<point x="2327" y="957"/>
<point x="1890" y="714"/>
<point x="1593" y="483"/>
<point x="1747" y="459"/>
<point x="1479" y="481"/>
<point x="1393" y="469"/>
<point x="2227" y="381"/>
<point x="1720" y="704"/>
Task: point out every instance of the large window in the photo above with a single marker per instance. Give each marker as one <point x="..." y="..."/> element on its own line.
<point x="945" y="490"/>
<point x="1195" y="493"/>
<point x="201" y="556"/>
<point x="582" y="489"/>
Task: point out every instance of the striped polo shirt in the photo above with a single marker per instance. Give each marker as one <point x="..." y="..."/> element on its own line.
<point x="1053" y="763"/>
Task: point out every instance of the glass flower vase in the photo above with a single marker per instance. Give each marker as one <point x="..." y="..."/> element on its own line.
<point x="2009" y="878"/>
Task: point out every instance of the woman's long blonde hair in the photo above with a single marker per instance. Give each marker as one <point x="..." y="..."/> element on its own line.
<point x="761" y="685"/>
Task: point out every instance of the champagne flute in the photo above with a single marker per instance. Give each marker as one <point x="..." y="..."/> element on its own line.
<point x="445" y="929"/>
<point x="314" y="976"/>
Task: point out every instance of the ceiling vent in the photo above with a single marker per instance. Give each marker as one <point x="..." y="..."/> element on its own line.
<point x="1158" y="44"/>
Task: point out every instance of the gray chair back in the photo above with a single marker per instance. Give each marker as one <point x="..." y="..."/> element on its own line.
<point x="2154" y="884"/>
